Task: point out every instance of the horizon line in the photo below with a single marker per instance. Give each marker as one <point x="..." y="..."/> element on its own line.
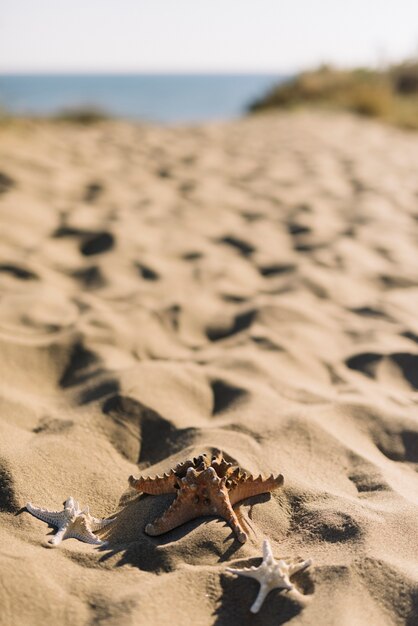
<point x="150" y="72"/>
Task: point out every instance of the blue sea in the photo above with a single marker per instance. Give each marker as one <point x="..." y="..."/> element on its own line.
<point x="167" y="98"/>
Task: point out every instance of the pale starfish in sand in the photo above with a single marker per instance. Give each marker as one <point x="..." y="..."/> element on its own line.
<point x="204" y="486"/>
<point x="271" y="574"/>
<point x="71" y="522"/>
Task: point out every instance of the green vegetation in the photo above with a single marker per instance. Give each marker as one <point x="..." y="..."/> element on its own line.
<point x="390" y="95"/>
<point x="85" y="116"/>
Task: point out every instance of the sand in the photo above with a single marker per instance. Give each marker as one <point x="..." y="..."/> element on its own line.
<point x="250" y="286"/>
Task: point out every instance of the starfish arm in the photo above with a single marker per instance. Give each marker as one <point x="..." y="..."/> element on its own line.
<point x="217" y="455"/>
<point x="54" y="518"/>
<point x="72" y="507"/>
<point x="87" y="536"/>
<point x="182" y="510"/>
<point x="299" y="567"/>
<point x="225" y="510"/>
<point x="155" y="485"/>
<point x="60" y="535"/>
<point x="220" y="466"/>
<point x="250" y="486"/>
<point x="267" y="552"/>
<point x="98" y="524"/>
<point x="181" y="468"/>
<point x="262" y="594"/>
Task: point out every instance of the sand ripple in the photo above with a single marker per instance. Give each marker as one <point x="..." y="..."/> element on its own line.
<point x="252" y="287"/>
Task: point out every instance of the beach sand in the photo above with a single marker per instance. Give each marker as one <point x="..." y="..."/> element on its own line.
<point x="250" y="286"/>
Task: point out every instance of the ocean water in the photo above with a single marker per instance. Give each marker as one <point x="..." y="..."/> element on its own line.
<point x="167" y="98"/>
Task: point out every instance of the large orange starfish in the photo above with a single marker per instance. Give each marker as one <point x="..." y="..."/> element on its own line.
<point x="203" y="486"/>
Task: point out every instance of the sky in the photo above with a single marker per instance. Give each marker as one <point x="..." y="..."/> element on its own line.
<point x="203" y="35"/>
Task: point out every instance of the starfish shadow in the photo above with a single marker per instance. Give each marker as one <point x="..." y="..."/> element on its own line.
<point x="238" y="594"/>
<point x="235" y="545"/>
<point x="126" y="536"/>
<point x="258" y="499"/>
<point x="22" y="509"/>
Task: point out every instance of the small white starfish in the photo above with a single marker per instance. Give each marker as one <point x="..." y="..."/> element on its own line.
<point x="271" y="574"/>
<point x="71" y="522"/>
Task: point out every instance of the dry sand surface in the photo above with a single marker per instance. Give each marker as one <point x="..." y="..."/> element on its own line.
<point x="250" y="286"/>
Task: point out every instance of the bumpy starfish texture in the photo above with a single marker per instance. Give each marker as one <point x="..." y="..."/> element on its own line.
<point x="203" y="486"/>
<point x="271" y="574"/>
<point x="71" y="522"/>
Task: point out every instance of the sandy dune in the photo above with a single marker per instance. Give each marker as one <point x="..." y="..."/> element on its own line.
<point x="249" y="286"/>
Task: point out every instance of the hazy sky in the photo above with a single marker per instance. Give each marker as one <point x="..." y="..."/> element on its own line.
<point x="201" y="35"/>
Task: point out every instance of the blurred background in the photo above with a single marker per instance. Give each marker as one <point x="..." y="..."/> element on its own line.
<point x="191" y="61"/>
